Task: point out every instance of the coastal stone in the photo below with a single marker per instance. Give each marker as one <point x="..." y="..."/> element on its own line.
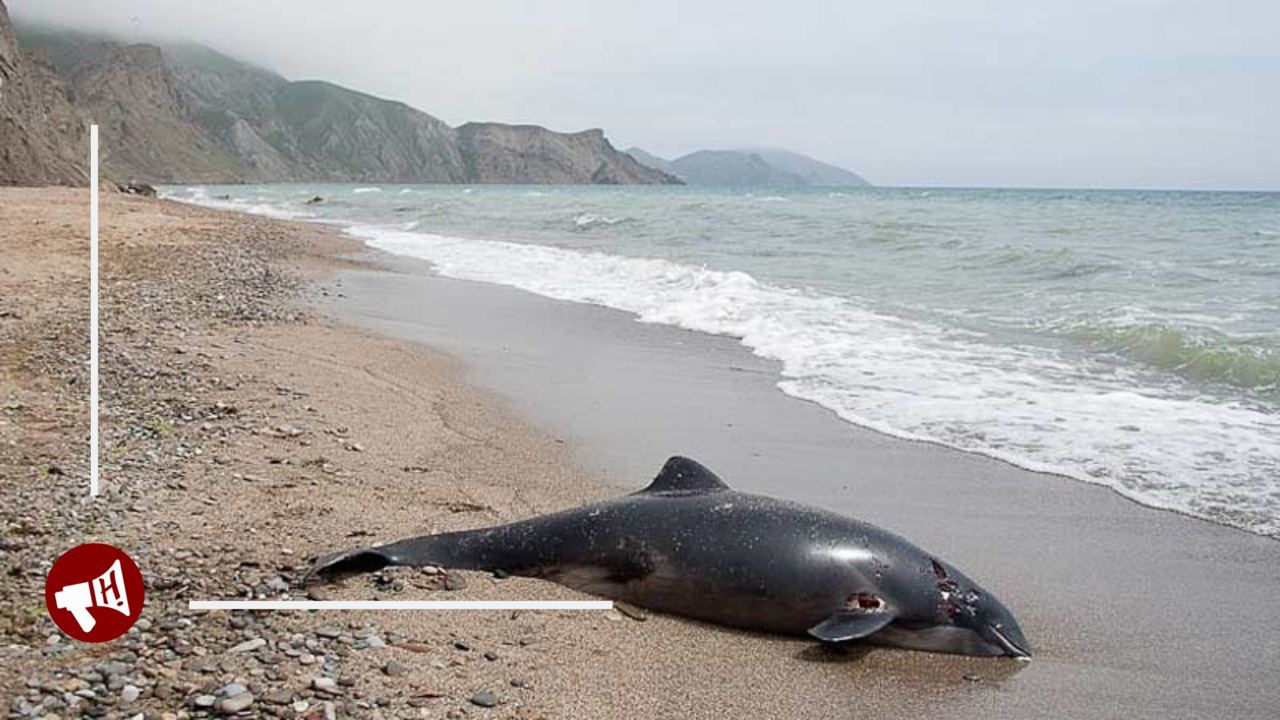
<point x="204" y="701"/>
<point x="234" y="704"/>
<point x="325" y="685"/>
<point x="129" y="694"/>
<point x="248" y="645"/>
<point x="631" y="611"/>
<point x="454" y="582"/>
<point x="277" y="697"/>
<point x="393" y="669"/>
<point x="485" y="699"/>
<point x="232" y="689"/>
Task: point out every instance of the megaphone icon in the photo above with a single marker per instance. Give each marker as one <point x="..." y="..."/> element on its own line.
<point x="106" y="590"/>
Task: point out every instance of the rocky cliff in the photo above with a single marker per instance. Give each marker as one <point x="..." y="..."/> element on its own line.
<point x="497" y="153"/>
<point x="189" y="114"/>
<point x="145" y="125"/>
<point x="43" y="139"/>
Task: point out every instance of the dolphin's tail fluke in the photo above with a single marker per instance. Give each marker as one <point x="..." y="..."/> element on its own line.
<point x="467" y="550"/>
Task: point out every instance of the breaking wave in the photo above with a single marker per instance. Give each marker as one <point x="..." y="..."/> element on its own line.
<point x="1162" y="446"/>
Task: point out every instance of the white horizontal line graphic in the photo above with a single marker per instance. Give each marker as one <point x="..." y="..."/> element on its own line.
<point x="400" y="605"/>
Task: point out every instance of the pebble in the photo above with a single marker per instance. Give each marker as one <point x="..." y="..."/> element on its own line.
<point x="393" y="668"/>
<point x="235" y="703"/>
<point x="232" y="689"/>
<point x="325" y="685"/>
<point x="129" y="694"/>
<point x="277" y="697"/>
<point x="204" y="701"/>
<point x="485" y="699"/>
<point x="248" y="645"/>
<point x="454" y="582"/>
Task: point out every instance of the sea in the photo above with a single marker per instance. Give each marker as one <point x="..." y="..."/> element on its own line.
<point x="1125" y="338"/>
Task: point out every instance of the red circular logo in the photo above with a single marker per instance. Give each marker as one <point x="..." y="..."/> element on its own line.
<point x="94" y="592"/>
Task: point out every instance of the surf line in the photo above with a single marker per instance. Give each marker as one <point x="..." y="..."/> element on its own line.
<point x="400" y="605"/>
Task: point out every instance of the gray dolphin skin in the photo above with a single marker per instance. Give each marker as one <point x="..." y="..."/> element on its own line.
<point x="689" y="545"/>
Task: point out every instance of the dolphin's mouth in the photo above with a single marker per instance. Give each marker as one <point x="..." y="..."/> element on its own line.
<point x="1010" y="647"/>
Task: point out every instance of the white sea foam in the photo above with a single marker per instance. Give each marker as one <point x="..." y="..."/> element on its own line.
<point x="363" y="190"/>
<point x="587" y="220"/>
<point x="200" y="196"/>
<point x="1161" y="446"/>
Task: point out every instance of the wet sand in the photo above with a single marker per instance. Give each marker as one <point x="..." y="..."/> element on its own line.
<point x="1133" y="611"/>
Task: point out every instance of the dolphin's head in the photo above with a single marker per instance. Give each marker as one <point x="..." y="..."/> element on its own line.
<point x="952" y="614"/>
<point x="968" y="607"/>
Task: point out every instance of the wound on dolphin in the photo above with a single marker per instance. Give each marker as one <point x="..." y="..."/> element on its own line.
<point x="690" y="545"/>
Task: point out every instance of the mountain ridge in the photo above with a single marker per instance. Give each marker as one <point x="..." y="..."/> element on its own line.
<point x="751" y="167"/>
<point x="187" y="113"/>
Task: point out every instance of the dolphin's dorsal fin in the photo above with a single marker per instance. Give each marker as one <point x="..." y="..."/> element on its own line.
<point x="682" y="475"/>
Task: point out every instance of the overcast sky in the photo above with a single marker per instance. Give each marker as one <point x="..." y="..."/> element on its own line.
<point x="1087" y="93"/>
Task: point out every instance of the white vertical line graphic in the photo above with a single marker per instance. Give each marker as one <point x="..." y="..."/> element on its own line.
<point x="93" y="310"/>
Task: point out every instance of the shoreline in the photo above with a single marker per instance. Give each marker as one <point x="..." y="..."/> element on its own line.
<point x="1211" y="502"/>
<point x="276" y="396"/>
<point x="1086" y="566"/>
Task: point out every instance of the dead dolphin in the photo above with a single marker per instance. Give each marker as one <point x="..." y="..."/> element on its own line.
<point x="689" y="545"/>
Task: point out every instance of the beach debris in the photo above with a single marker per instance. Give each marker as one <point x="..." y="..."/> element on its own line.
<point x="137" y="188"/>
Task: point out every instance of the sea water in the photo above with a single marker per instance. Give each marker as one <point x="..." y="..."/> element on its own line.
<point x="1128" y="338"/>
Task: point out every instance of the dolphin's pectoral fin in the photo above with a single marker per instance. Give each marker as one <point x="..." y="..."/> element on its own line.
<point x="682" y="475"/>
<point x="851" y="625"/>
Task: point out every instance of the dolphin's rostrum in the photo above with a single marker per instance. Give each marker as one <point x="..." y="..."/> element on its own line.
<point x="689" y="545"/>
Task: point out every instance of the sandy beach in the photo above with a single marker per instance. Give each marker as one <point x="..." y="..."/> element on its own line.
<point x="274" y="390"/>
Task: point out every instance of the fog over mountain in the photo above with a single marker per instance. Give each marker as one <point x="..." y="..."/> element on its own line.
<point x="185" y="113"/>
<point x="1110" y="93"/>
